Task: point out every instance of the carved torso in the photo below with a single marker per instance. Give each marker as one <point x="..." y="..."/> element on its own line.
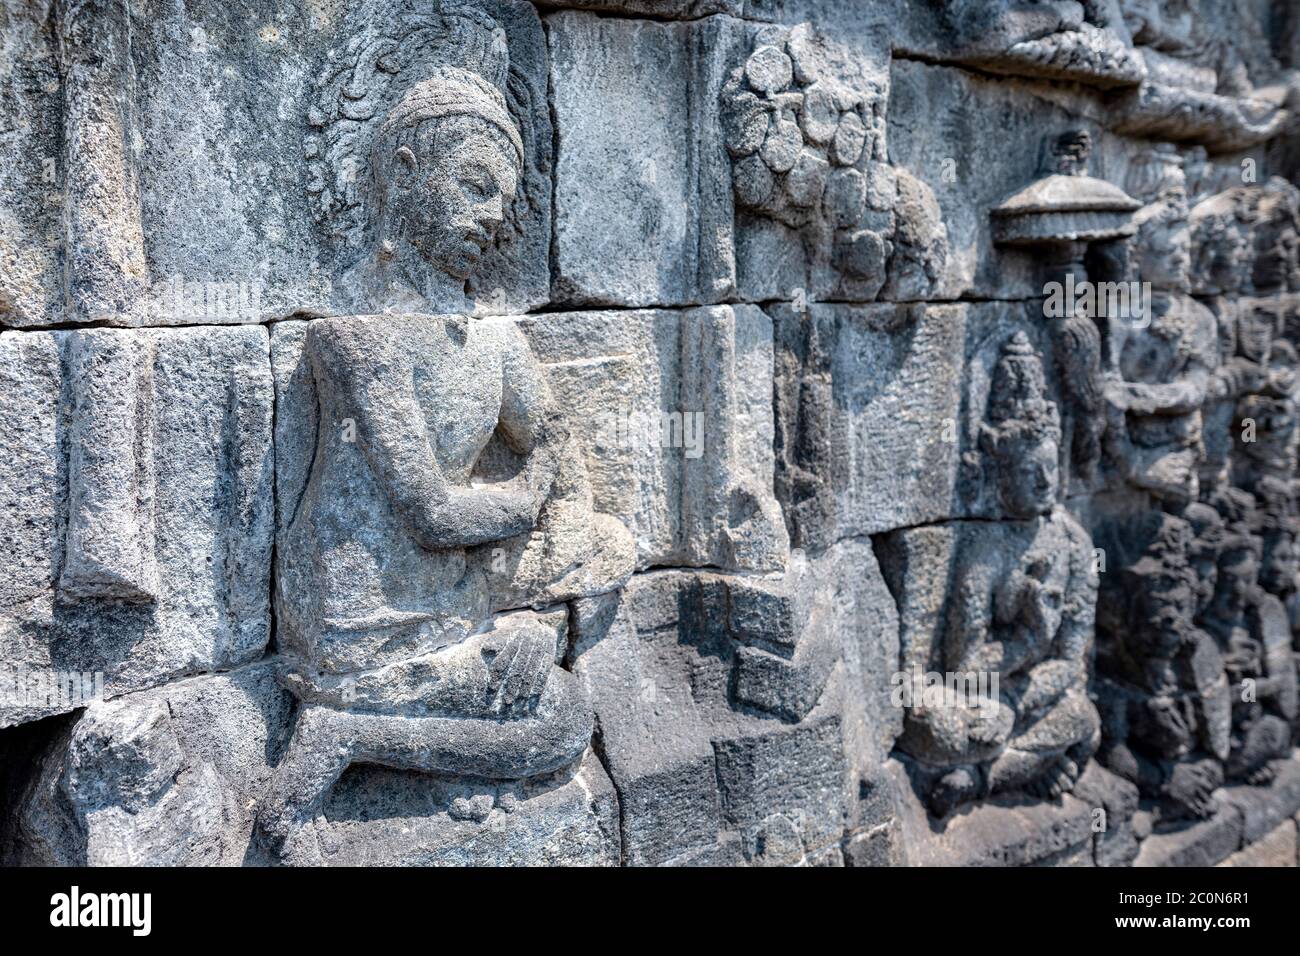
<point x="380" y="595"/>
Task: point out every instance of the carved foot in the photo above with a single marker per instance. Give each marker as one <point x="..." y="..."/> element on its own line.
<point x="1191" y="788"/>
<point x="953" y="789"/>
<point x="1261" y="776"/>
<point x="1057" y="780"/>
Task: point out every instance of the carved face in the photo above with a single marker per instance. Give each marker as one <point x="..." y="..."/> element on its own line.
<point x="1164" y="250"/>
<point x="1255" y="334"/>
<point x="1238" y="575"/>
<point x="1028" y="478"/>
<point x="1278" y="571"/>
<point x="1222" y="260"/>
<point x="454" y="196"/>
<point x="1165" y="611"/>
<point x="1205" y="561"/>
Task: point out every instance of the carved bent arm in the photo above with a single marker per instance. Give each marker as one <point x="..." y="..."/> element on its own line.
<point x="970" y="644"/>
<point x="369" y="380"/>
<point x="1170" y="398"/>
<point x="529" y="420"/>
<point x="1074" y="640"/>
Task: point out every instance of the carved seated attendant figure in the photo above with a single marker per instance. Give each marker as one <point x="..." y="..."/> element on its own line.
<point x="440" y="465"/>
<point x="1164" y="364"/>
<point x="1021" y="611"/>
<point x="1253" y="634"/>
<point x="1161" y="687"/>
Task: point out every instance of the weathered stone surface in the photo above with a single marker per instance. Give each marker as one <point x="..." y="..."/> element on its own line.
<point x="632" y="205"/>
<point x="165" y="777"/>
<point x="382" y="817"/>
<point x="1001" y="832"/>
<point x="135" y="508"/>
<point x="1114" y="842"/>
<point x="650" y="432"/>
<point x="1276" y="848"/>
<point x="878" y="410"/>
<point x="1203" y="843"/>
<point x="695" y="769"/>
<point x="243" y="220"/>
<point x="673" y="413"/>
<point x="1262" y="808"/>
<point x="754" y="166"/>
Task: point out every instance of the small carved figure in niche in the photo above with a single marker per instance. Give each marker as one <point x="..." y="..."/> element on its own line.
<point x="1075" y="224"/>
<point x="1277" y="238"/>
<point x="439" y="462"/>
<point x="1021" y="609"/>
<point x="1221" y="243"/>
<point x="1254" y="638"/>
<point x="1162" y="690"/>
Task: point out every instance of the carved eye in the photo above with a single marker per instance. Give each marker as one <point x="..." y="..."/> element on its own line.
<point x="476" y="189"/>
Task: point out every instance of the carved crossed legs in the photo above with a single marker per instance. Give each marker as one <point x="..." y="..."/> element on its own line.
<point x="1048" y="750"/>
<point x="326" y="741"/>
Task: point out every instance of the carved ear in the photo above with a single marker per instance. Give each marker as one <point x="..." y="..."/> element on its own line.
<point x="405" y="166"/>
<point x="990" y="440"/>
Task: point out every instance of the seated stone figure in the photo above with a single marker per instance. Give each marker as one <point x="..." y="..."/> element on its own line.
<point x="1161" y="687"/>
<point x="442" y="490"/>
<point x="1021" y="611"/>
<point x="1253" y="635"/>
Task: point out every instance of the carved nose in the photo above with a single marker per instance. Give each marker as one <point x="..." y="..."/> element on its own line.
<point x="492" y="212"/>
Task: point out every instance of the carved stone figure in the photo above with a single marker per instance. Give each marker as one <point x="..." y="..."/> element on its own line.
<point x="1062" y="214"/>
<point x="804" y="130"/>
<point x="1253" y="634"/>
<point x="1163" y="354"/>
<point x="429" y="149"/>
<point x="1163" y="693"/>
<point x="438" y="454"/>
<point x="1020" y="607"/>
<point x="446" y="162"/>
<point x="650" y="432"/>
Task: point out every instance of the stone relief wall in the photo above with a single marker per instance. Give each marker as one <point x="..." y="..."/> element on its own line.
<point x="666" y="432"/>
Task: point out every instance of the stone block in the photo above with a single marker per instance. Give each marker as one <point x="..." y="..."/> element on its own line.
<point x="878" y="410"/>
<point x="165" y="777"/>
<point x="673" y="412"/>
<point x="135" y="508"/>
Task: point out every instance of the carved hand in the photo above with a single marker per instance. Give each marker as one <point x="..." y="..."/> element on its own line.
<point x="471" y="516"/>
<point x="517" y="673"/>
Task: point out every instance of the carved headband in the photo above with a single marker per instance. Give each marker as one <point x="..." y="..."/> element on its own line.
<point x="452" y="91"/>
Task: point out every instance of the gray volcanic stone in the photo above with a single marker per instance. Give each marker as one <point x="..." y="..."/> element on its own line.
<point x="1203" y="843"/>
<point x="694" y="771"/>
<point x="1262" y="808"/>
<point x="650" y="432"/>
<point x="382" y="817"/>
<point x="250" y="208"/>
<point x="135" y="506"/>
<point x="1276" y="848"/>
<point x="165" y="777"/>
<point x="878" y="411"/>
<point x="1000" y="832"/>
<point x="673" y="412"/>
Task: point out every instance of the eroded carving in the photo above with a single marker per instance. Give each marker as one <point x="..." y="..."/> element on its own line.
<point x="1019" y="609"/>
